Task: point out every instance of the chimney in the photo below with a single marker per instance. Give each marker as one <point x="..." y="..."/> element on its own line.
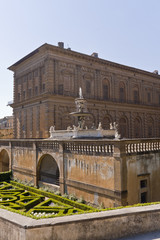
<point x="61" y="44"/>
<point x="94" y="55"/>
<point x="155" y="72"/>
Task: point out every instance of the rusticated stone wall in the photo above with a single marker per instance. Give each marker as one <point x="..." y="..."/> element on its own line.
<point x="46" y="83"/>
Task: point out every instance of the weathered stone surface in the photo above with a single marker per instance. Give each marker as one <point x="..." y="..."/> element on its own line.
<point x="107" y="225"/>
<point x="103" y="172"/>
<point x="47" y="81"/>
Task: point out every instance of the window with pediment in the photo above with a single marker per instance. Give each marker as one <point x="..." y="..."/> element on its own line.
<point x="60" y="89"/>
<point x="67" y="81"/>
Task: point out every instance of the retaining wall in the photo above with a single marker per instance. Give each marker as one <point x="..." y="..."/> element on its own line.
<point x="94" y="226"/>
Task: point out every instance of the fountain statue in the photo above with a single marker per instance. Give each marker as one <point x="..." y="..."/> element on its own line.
<point x="80" y="93"/>
<point x="81" y="112"/>
<point x="82" y="131"/>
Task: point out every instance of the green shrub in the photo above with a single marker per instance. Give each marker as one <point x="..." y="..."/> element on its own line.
<point x="51" y="203"/>
<point x="56" y="197"/>
<point x="5" y="176"/>
<point x="29" y="202"/>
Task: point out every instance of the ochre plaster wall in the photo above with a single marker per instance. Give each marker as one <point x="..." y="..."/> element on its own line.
<point x="143" y="167"/>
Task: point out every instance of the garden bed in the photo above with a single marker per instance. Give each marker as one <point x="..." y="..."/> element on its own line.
<point x="36" y="203"/>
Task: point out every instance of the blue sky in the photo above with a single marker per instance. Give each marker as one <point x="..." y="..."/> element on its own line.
<point x="122" y="31"/>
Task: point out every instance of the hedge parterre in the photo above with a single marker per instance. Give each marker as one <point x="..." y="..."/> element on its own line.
<point x="36" y="203"/>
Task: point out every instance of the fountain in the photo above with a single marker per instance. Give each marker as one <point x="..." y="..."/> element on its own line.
<point x="81" y="131"/>
<point x="81" y="112"/>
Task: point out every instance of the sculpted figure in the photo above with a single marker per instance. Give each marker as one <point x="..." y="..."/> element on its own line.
<point x="100" y="126"/>
<point x="74" y="128"/>
<point x="111" y="126"/>
<point x="52" y="129"/>
<point x="69" y="128"/>
<point x="115" y="126"/>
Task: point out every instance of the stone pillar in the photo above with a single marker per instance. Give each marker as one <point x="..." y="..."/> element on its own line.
<point x="120" y="172"/>
<point x="46" y="125"/>
<point x="62" y="167"/>
<point x="37" y="121"/>
<point x="10" y="156"/>
<point x="97" y="86"/>
<point x="14" y="123"/>
<point x="31" y="122"/>
<point x="49" y="75"/>
<point x="77" y="80"/>
<point x="35" y="175"/>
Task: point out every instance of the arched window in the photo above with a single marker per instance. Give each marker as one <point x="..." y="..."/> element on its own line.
<point x="48" y="170"/>
<point x="123" y="127"/>
<point x="150" y="128"/>
<point x="136" y="95"/>
<point x="137" y="128"/>
<point x="88" y="85"/>
<point x="4" y="161"/>
<point x="66" y="83"/>
<point x="106" y="89"/>
<point x="122" y="93"/>
<point x="106" y="122"/>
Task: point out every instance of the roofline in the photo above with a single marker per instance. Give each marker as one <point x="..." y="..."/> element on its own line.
<point x="12" y="67"/>
<point x="70" y="52"/>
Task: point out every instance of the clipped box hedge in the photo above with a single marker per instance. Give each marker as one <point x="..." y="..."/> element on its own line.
<point x="5" y="176"/>
<point x="56" y="197"/>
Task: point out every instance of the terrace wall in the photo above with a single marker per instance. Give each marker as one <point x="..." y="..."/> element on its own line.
<point x="105" y="172"/>
<point x="107" y="225"/>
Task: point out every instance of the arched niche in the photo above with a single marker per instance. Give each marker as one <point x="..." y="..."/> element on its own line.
<point x="123" y="127"/>
<point x="136" y="97"/>
<point x="122" y="92"/>
<point x="106" y="89"/>
<point x="137" y="127"/>
<point x="4" y="161"/>
<point x="48" y="170"/>
<point x="106" y="122"/>
<point x="150" y="128"/>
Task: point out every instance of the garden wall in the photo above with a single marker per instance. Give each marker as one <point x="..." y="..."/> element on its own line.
<point x="96" y="226"/>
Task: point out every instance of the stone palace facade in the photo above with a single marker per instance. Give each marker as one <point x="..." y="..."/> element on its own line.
<point x="47" y="81"/>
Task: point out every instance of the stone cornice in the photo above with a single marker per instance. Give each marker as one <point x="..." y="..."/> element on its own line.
<point x="71" y="53"/>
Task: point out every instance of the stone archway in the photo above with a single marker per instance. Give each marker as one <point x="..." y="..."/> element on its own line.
<point x="4" y="161"/>
<point x="48" y="170"/>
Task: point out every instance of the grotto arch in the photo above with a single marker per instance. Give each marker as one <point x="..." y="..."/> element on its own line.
<point x="4" y="161"/>
<point x="48" y="170"/>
